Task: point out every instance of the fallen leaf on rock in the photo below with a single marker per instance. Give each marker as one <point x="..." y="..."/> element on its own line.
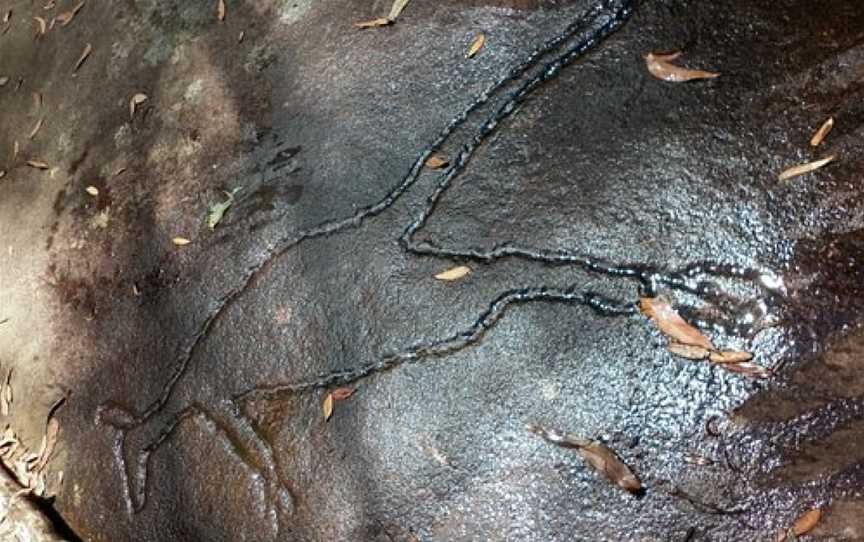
<point x="36" y="128"/>
<point x="136" y="100"/>
<point x="41" y="26"/>
<point x="92" y="190"/>
<point x="374" y="23"/>
<point x="729" y="356"/>
<point x="327" y="406"/>
<point x="822" y="132"/>
<point x="803" y="525"/>
<point x="220" y="10"/>
<point x="803" y="169"/>
<point x="476" y="45"/>
<point x="340" y="394"/>
<point x="661" y="67"/>
<point x="687" y="351"/>
<point x="455" y="273"/>
<point x="217" y="210"/>
<point x="396" y="9"/>
<point x="67" y="16"/>
<point x="597" y="455"/>
<point x="437" y="161"/>
<point x="660" y="311"/>
<point x="748" y="369"/>
<point x="38" y="164"/>
<point x="86" y="53"/>
<point x="180" y="241"/>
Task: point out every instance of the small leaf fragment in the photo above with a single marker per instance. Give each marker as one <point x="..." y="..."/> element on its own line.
<point x="661" y="67"/>
<point x="455" y="273"/>
<point x="381" y="21"/>
<point x="136" y="100"/>
<point x="599" y="456"/>
<point x="220" y="10"/>
<point x="217" y="210"/>
<point x="437" y="161"/>
<point x="180" y="241"/>
<point x="42" y="26"/>
<point x="92" y="190"/>
<point x="396" y="9"/>
<point x="37" y="100"/>
<point x="660" y="311"/>
<point x="340" y="394"/>
<point x="687" y="351"/>
<point x="36" y="128"/>
<point x="822" y="132"/>
<point x="67" y="16"/>
<point x="748" y="369"/>
<point x="803" y="169"/>
<point x="803" y="525"/>
<point x="84" y="54"/>
<point x="729" y="356"/>
<point x="327" y="406"/>
<point x="37" y="164"/>
<point x="476" y="45"/>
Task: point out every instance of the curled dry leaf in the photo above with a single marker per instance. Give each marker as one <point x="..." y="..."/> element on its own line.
<point x="220" y="10"/>
<point x="84" y="54"/>
<point x="597" y="455"/>
<point x="437" y="161"/>
<point x="38" y="164"/>
<point x="136" y="100"/>
<point x="455" y="273"/>
<point x="729" y="356"/>
<point x="687" y="351"/>
<point x="180" y="241"/>
<point x="340" y="394"/>
<point x="803" y="525"/>
<point x="748" y="369"/>
<point x="92" y="190"/>
<point x="41" y="26"/>
<point x="396" y="9"/>
<point x="67" y="16"/>
<point x="327" y="406"/>
<point x="476" y="45"/>
<point x="822" y="132"/>
<point x="803" y="169"/>
<point x="661" y="67"/>
<point x="660" y="311"/>
<point x="36" y="128"/>
<point x="374" y="23"/>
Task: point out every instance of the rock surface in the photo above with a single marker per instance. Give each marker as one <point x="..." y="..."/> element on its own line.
<point x="195" y="374"/>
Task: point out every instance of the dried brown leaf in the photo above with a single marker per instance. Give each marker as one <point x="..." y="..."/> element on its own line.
<point x="661" y="67"/>
<point x="730" y="356"/>
<point x="596" y="454"/>
<point x="660" y="311"/>
<point x="687" y="351"/>
<point x="92" y="190"/>
<point x="476" y="45"/>
<point x="437" y="161"/>
<point x="340" y="394"/>
<point x="67" y="16"/>
<point x="822" y="132"/>
<point x="803" y="525"/>
<point x="455" y="273"/>
<point x="803" y="169"/>
<point x="41" y="26"/>
<point x="374" y="23"/>
<point x="749" y="369"/>
<point x="136" y="100"/>
<point x="180" y="241"/>
<point x="220" y="10"/>
<point x="38" y="164"/>
<point x="396" y="9"/>
<point x="327" y="406"/>
<point x="36" y="128"/>
<point x="84" y="54"/>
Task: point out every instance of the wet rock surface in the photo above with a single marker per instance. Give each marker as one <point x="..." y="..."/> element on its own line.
<point x="195" y="374"/>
